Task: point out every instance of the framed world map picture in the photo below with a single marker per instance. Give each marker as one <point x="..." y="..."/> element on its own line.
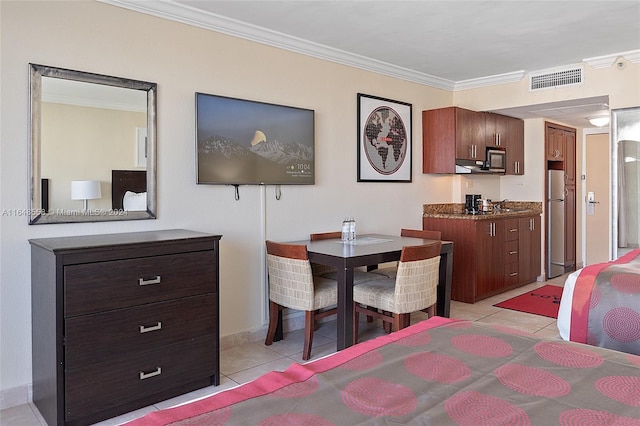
<point x="384" y="140"/>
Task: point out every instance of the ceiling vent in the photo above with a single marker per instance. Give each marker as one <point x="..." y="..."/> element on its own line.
<point x="557" y="77"/>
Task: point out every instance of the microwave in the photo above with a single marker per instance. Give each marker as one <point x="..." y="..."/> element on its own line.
<point x="496" y="160"/>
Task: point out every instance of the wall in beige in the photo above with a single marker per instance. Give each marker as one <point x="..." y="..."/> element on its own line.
<point x="95" y="37"/>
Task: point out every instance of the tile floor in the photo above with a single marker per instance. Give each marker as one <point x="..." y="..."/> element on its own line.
<point x="244" y="363"/>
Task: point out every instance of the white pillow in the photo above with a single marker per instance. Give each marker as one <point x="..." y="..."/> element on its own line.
<point x="134" y="201"/>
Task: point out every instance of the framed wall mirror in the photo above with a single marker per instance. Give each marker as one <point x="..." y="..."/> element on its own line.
<point x="93" y="147"/>
<point x="625" y="179"/>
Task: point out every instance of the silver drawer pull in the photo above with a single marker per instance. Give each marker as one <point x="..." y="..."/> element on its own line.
<point x="156" y="372"/>
<point x="513" y="230"/>
<point x="144" y="329"/>
<point x="155" y="280"/>
<point x="513" y="274"/>
<point x="513" y="252"/>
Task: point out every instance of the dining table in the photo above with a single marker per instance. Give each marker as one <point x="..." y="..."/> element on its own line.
<point x="369" y="250"/>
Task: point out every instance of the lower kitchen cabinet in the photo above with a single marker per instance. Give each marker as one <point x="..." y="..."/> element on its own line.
<point x="530" y="240"/>
<point x="489" y="253"/>
<point x="122" y="321"/>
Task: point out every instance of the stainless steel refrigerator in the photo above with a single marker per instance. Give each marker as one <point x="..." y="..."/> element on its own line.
<point x="555" y="227"/>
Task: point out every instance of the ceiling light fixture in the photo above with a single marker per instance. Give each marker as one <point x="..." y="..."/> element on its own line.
<point x="599" y="120"/>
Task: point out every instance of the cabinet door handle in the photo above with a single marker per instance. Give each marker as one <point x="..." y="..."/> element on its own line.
<point x="156" y="372"/>
<point x="513" y="230"/>
<point x="513" y="252"/>
<point x="155" y="280"/>
<point x="144" y="329"/>
<point x="513" y="274"/>
<point x="532" y="225"/>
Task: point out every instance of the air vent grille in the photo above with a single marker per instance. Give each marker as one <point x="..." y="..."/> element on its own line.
<point x="556" y="78"/>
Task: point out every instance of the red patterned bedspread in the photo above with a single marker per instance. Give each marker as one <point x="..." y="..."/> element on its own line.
<point x="437" y="372"/>
<point x="605" y="309"/>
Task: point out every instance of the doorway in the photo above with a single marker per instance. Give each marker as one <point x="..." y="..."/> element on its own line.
<point x="596" y="196"/>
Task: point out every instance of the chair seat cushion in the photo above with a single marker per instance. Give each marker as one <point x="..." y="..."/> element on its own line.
<point x="389" y="272"/>
<point x="325" y="292"/>
<point x="358" y="276"/>
<point x="378" y="293"/>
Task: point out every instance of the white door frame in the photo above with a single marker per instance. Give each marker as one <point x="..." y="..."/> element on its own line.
<point x="583" y="192"/>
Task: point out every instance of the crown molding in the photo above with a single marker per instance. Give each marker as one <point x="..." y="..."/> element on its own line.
<point x="606" y="61"/>
<point x="177" y="12"/>
<point x="492" y="80"/>
<point x="195" y="17"/>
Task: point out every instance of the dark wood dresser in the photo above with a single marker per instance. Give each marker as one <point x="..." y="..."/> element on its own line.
<point x="122" y="321"/>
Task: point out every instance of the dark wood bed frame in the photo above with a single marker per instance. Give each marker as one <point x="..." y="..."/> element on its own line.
<point x="126" y="180"/>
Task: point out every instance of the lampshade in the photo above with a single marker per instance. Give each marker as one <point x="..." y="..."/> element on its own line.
<point x="85" y="190"/>
<point x="599" y="120"/>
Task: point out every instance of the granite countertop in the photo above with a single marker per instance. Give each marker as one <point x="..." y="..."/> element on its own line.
<point x="509" y="209"/>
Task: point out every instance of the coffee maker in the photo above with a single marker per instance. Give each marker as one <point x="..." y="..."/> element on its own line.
<point x="471" y="203"/>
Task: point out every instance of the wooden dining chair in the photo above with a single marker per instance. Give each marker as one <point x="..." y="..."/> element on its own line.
<point x="426" y="234"/>
<point x="413" y="289"/>
<point x="293" y="286"/>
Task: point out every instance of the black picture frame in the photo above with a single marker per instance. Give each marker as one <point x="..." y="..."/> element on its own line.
<point x="384" y="140"/>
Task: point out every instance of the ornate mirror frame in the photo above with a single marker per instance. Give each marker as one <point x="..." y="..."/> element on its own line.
<point x="37" y="214"/>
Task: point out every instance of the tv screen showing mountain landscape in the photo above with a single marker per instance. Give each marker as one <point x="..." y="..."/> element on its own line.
<point x="241" y="142"/>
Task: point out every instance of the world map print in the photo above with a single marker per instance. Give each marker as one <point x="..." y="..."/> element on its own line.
<point x="385" y="140"/>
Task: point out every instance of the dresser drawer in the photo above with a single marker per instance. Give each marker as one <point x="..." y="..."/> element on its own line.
<point x="100" y="286"/>
<point x="511" y="229"/>
<point x="104" y="386"/>
<point x="98" y="337"/>
<point x="511" y="275"/>
<point x="510" y="254"/>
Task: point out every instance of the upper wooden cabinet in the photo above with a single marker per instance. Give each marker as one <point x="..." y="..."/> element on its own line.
<point x="555" y="138"/>
<point x="507" y="133"/>
<point x="450" y="133"/>
<point x="453" y="132"/>
<point x="570" y="157"/>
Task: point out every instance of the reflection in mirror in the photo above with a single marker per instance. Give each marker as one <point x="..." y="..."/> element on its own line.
<point x="625" y="155"/>
<point x="90" y="131"/>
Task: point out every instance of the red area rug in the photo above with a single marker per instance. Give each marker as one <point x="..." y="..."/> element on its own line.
<point x="543" y="301"/>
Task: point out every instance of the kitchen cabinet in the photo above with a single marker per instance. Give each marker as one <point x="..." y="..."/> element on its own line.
<point x="561" y="155"/>
<point x="570" y="228"/>
<point x="488" y="253"/>
<point x="555" y="141"/>
<point x="530" y="258"/>
<point x="506" y="133"/>
<point x="510" y="253"/>
<point x="570" y="158"/>
<point x="450" y="133"/>
<point x="454" y="132"/>
<point x="122" y="321"/>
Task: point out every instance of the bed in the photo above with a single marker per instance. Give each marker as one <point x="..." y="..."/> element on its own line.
<point x="129" y="190"/>
<point x="600" y="305"/>
<point x="436" y="372"/>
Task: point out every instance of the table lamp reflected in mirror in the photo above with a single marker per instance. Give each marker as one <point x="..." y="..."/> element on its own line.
<point x="85" y="190"/>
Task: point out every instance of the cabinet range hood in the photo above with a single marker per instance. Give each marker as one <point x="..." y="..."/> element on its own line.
<point x="464" y="166"/>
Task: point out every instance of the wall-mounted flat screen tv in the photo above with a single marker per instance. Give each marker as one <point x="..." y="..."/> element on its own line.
<point x="242" y="142"/>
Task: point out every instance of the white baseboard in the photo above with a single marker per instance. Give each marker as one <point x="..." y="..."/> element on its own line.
<point x="19" y="395"/>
